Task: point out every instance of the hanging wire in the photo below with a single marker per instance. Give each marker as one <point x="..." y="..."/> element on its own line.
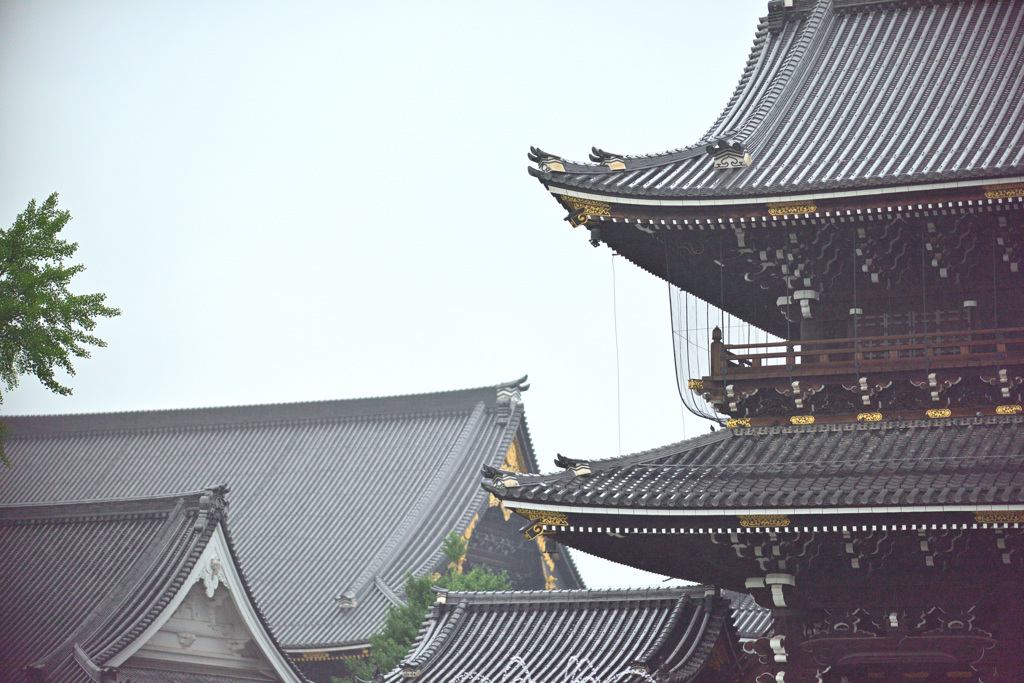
<point x="790" y="359"/>
<point x="995" y="293"/>
<point x="856" y="311"/>
<point x="995" y="308"/>
<point x="721" y="280"/>
<point x="924" y="291"/>
<point x="691" y="359"/>
<point x="618" y="380"/>
<point x="693" y="320"/>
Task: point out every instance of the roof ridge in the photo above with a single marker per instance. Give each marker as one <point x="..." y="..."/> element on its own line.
<point x="638" y="457"/>
<point x="760" y="122"/>
<point x="819" y="57"/>
<point x="430" y="644"/>
<point x="102" y="507"/>
<point x="427" y="493"/>
<point x="518" y="383"/>
<point x="641" y="457"/>
<point x="96" y="626"/>
<point x="749" y="68"/>
<point x="665" y="631"/>
<point x="31" y="426"/>
<point x="654" y="160"/>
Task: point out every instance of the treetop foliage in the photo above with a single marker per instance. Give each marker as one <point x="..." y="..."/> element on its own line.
<point x="403" y="622"/>
<point x="42" y="324"/>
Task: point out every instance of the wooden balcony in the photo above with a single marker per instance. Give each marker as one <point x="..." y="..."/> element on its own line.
<point x="801" y="369"/>
<point x="892" y="354"/>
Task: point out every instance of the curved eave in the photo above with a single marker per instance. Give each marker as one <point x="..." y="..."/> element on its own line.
<point x="465" y="631"/>
<point x="755" y="204"/>
<point x="876" y="468"/>
<point x="830" y="100"/>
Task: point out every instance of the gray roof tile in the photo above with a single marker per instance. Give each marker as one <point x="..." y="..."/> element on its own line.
<point x="93" y="574"/>
<point x="879" y="464"/>
<point x="750" y="619"/>
<point x="567" y="635"/>
<point x="843" y="96"/>
<point x="327" y="497"/>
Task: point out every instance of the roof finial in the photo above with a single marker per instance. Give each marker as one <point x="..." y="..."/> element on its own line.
<point x="546" y="162"/>
<point x="729" y="153"/>
<point x="614" y="162"/>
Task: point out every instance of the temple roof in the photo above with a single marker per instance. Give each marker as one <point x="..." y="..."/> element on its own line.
<point x="750" y="620"/>
<point x="945" y="464"/>
<point x="567" y="635"/>
<point x="94" y="576"/>
<point x="333" y="501"/>
<point x="843" y="94"/>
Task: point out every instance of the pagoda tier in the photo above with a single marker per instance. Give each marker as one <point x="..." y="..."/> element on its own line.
<point x="894" y="304"/>
<point x="883" y="549"/>
<point x="860" y="202"/>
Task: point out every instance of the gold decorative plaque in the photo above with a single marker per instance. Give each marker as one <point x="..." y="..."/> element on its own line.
<point x="591" y="207"/>
<point x="1004" y="191"/>
<point x="938" y="412"/>
<point x="545" y="517"/>
<point x="738" y="422"/>
<point x="312" y="656"/>
<point x="695" y="384"/>
<point x="763" y="521"/>
<point x="999" y="517"/>
<point x="1007" y="410"/>
<point x="802" y="420"/>
<point x="791" y="208"/>
<point x="869" y="417"/>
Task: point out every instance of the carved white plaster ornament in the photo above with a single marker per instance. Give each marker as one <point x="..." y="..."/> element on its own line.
<point x="212" y="574"/>
<point x="186" y="639"/>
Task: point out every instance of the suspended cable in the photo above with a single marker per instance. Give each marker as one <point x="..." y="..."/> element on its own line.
<point x="855" y="313"/>
<point x="995" y="293"/>
<point x="618" y="381"/>
<point x="721" y="276"/>
<point x="995" y="310"/>
<point x="790" y="355"/>
<point x="689" y="356"/>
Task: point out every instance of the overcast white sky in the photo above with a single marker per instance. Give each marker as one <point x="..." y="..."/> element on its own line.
<point x="303" y="201"/>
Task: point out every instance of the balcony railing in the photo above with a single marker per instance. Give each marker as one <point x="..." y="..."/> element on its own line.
<point x="887" y="354"/>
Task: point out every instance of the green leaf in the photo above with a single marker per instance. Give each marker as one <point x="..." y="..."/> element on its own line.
<point x="402" y="623"/>
<point x="42" y="323"/>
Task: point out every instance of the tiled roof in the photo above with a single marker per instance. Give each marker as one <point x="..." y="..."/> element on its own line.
<point x="750" y="620"/>
<point x="951" y="461"/>
<point x="846" y="94"/>
<point x="566" y="635"/>
<point x="328" y="498"/>
<point x="94" y="575"/>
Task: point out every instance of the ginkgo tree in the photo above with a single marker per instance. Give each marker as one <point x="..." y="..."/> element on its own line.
<point x="43" y="325"/>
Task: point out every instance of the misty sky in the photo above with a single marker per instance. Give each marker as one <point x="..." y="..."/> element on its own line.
<point x="305" y="201"/>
